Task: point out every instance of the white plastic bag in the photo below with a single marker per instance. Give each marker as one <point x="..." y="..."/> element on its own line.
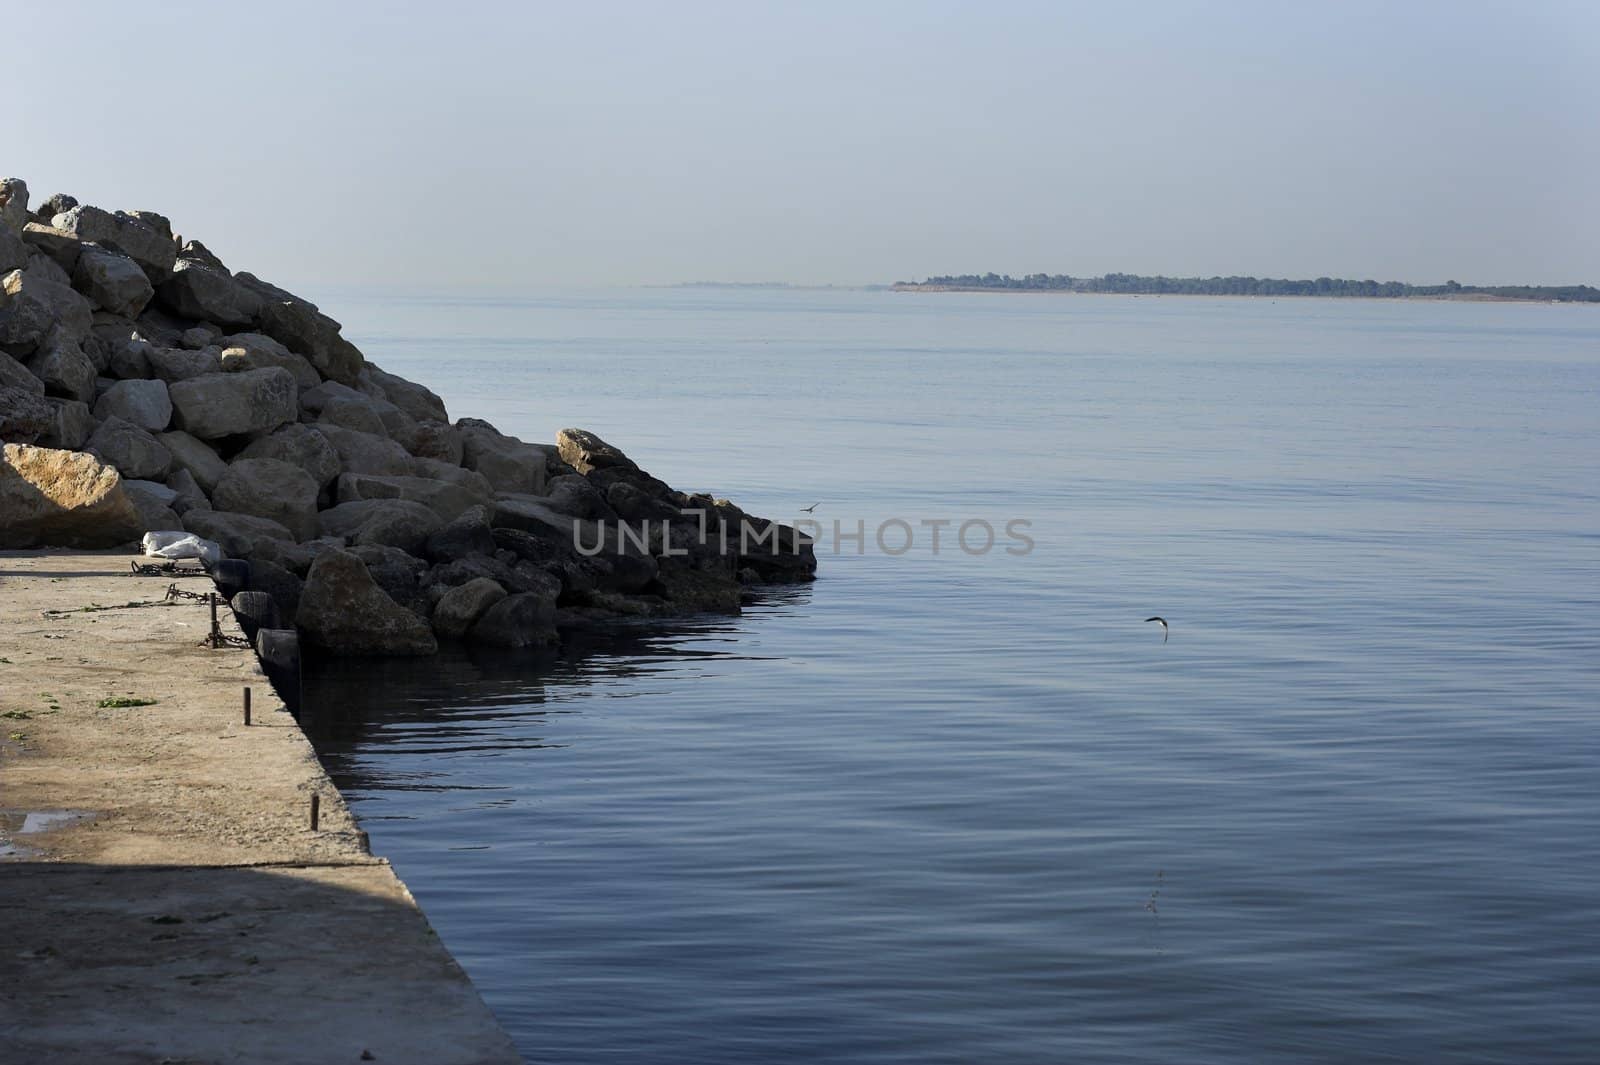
<point x="181" y="545"/>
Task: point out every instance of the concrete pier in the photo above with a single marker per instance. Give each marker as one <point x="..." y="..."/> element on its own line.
<point x="163" y="897"/>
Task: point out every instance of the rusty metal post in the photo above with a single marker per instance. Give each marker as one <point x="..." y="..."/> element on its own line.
<point x="247" y="707"/>
<point x="316" y="810"/>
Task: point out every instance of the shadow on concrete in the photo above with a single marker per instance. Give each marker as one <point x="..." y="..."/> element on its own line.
<point x="133" y="965"/>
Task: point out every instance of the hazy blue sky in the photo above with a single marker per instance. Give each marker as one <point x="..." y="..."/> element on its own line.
<point x="469" y="143"/>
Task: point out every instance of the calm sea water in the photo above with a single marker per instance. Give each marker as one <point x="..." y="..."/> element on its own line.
<point x="947" y="808"/>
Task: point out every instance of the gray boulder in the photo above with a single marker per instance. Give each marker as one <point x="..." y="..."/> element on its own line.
<point x="130" y="359"/>
<point x="153" y="501"/>
<point x="63" y="367"/>
<point x="357" y="414"/>
<point x="144" y="403"/>
<point x="200" y="336"/>
<point x="63" y="498"/>
<point x="419" y="401"/>
<point x="526" y="619"/>
<point x="299" y="445"/>
<point x="15" y="375"/>
<point x="14" y="251"/>
<point x="584" y="451"/>
<point x="25" y="416"/>
<point x="509" y="464"/>
<point x="199" y="290"/>
<point x="129" y="234"/>
<point x="240" y="535"/>
<point x="196" y="456"/>
<point x="298" y="325"/>
<point x="225" y="404"/>
<point x="181" y="364"/>
<point x="33" y="299"/>
<point x="343" y="610"/>
<point x="439" y="441"/>
<point x="460" y="608"/>
<point x="113" y="281"/>
<point x="186" y="491"/>
<point x="574" y="494"/>
<point x="443" y="497"/>
<point x="133" y="451"/>
<point x="392" y="522"/>
<point x="468" y="534"/>
<point x="63" y="248"/>
<point x="253" y="351"/>
<point x="366" y="453"/>
<point x="13" y="204"/>
<point x="268" y="488"/>
<point x="72" y="426"/>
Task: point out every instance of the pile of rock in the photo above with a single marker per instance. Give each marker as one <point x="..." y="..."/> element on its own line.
<point x="145" y="386"/>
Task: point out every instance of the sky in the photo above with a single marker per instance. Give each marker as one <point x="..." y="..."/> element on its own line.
<point x="505" y="145"/>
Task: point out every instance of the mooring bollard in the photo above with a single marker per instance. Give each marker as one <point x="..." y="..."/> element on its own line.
<point x="247" y="707"/>
<point x="316" y="810"/>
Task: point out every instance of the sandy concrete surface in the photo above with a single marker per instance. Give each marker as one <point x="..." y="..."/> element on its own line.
<point x="162" y="895"/>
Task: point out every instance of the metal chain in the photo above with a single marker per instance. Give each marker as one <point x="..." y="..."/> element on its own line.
<point x="160" y="569"/>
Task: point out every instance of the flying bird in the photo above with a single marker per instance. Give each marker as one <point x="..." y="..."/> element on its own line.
<point x="1165" y="632"/>
<point x="812" y="509"/>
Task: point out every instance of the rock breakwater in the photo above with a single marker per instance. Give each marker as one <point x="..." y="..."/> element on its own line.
<point x="146" y="386"/>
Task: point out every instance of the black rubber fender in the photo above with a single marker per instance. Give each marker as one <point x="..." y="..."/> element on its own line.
<point x="231" y="576"/>
<point x="279" y="652"/>
<point x="255" y="611"/>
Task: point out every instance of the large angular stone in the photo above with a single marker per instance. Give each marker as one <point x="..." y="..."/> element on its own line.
<point x="62" y="247"/>
<point x="240" y="535"/>
<point x="442" y="497"/>
<point x="25" y="416"/>
<point x="63" y="367"/>
<point x="144" y="403"/>
<point x="253" y="351"/>
<point x="391" y="522"/>
<point x="436" y="440"/>
<point x="35" y="305"/>
<point x="15" y="375"/>
<point x="419" y="401"/>
<point x="181" y="364"/>
<point x="225" y="404"/>
<point x="343" y="610"/>
<point x="72" y="426"/>
<point x="199" y="290"/>
<point x="299" y="445"/>
<point x="14" y="251"/>
<point x="196" y="456"/>
<point x="584" y="451"/>
<point x="510" y="465"/>
<point x="357" y="414"/>
<point x="461" y="607"/>
<point x="13" y="204"/>
<point x="468" y="534"/>
<point x="135" y="453"/>
<point x="298" y="325"/>
<point x="271" y="489"/>
<point x="526" y="619"/>
<point x="366" y="453"/>
<point x="113" y="281"/>
<point x="188" y="495"/>
<point x="65" y="498"/>
<point x="132" y="236"/>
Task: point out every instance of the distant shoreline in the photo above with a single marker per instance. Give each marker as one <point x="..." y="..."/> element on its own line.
<point x="1463" y="297"/>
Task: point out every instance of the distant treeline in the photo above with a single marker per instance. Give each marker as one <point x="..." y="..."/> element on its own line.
<point x="1137" y="284"/>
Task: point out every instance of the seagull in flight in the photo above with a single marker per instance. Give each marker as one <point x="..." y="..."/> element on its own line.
<point x="1165" y="632"/>
<point x="812" y="509"/>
